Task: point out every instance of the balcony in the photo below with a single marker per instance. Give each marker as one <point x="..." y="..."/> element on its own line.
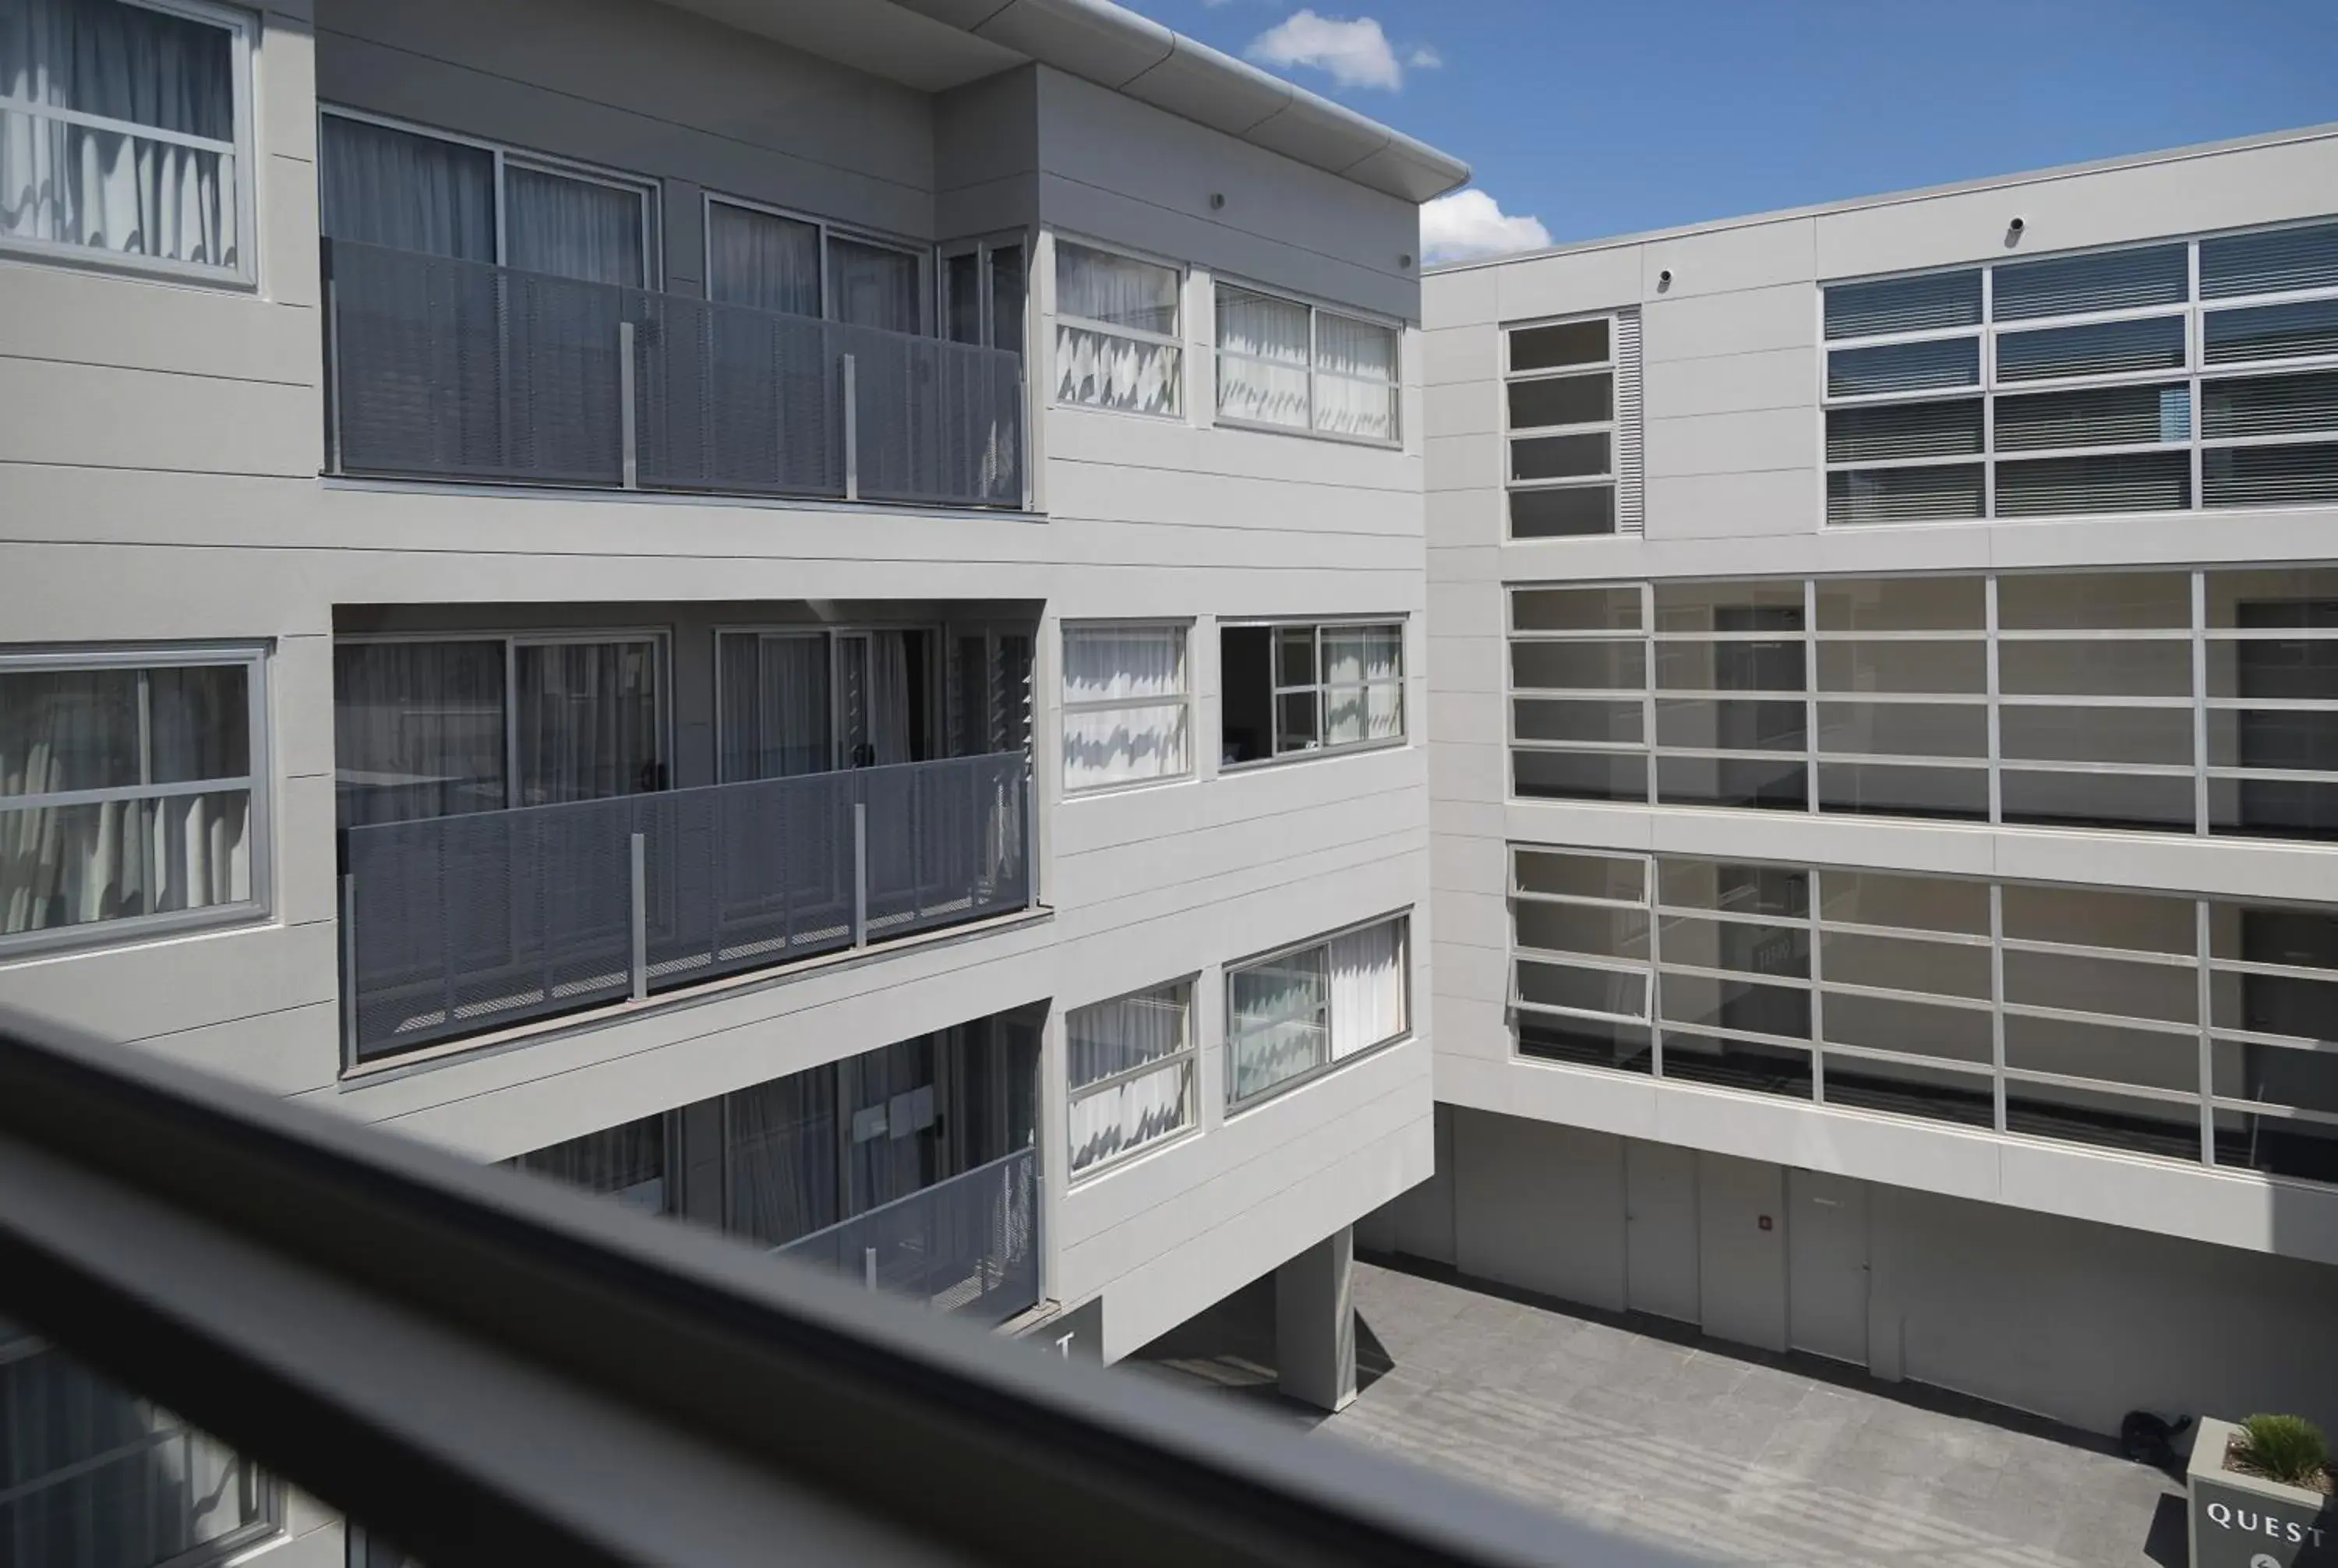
<point x="458" y="924"/>
<point x="447" y="369"/>
<point x="968" y="1246"/>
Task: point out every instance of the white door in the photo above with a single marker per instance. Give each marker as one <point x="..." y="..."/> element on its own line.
<point x="1826" y="1265"/>
<point x="1660" y="1229"/>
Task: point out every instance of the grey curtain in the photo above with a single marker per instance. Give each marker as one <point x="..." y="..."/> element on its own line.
<point x="781" y="1141"/>
<point x="380" y="186"/>
<point x="573" y="227"/>
<point x="873" y="286"/>
<point x="78" y="184"/>
<point x="761" y="259"/>
<point x="628" y="1162"/>
<point x="775" y="705"/>
<point x="586" y="715"/>
<point x="417" y="729"/>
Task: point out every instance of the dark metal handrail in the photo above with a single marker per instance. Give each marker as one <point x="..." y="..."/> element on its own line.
<point x="443" y="368"/>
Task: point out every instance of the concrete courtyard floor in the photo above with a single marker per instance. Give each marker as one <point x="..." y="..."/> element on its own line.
<point x="1713" y="1451"/>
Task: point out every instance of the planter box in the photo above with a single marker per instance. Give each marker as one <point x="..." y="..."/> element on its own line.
<point x="2246" y="1522"/>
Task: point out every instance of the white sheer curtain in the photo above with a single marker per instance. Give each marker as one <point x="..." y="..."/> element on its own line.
<point x="892" y="717"/>
<point x="1368" y="988"/>
<point x="1125" y="707"/>
<point x="1122" y="1035"/>
<point x="573" y="227"/>
<point x="873" y="284"/>
<point x="381" y="186"/>
<point x="417" y="729"/>
<point x="761" y="259"/>
<point x="1356" y="377"/>
<point x="1113" y="362"/>
<point x="1262" y="358"/>
<point x="104" y="185"/>
<point x="1384" y="670"/>
<point x="1278" y="1030"/>
<point x="64" y="732"/>
<point x="1344" y="718"/>
<point x="586" y="715"/>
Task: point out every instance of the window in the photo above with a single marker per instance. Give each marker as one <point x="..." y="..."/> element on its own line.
<point x="1118" y="342"/>
<point x="1291" y="689"/>
<point x="1292" y="1014"/>
<point x="405" y="189"/>
<point x="97" y="1476"/>
<point x="1298" y="366"/>
<point x="2102" y="382"/>
<point x="807" y="700"/>
<point x="982" y="293"/>
<point x="1571" y="409"/>
<point x="1125" y="704"/>
<point x="1131" y="1062"/>
<point x="2054" y="698"/>
<point x="629" y="1163"/>
<point x="436" y="728"/>
<point x="125" y="133"/>
<point x="130" y="793"/>
<point x="773" y="260"/>
<point x="2069" y="1012"/>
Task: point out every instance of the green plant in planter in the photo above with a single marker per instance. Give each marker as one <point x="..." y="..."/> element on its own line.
<point x="2287" y="1448"/>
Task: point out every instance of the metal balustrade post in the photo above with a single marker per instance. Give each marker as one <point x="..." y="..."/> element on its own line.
<point x="860" y="874"/>
<point x="1030" y="838"/>
<point x="851" y="434"/>
<point x="333" y="358"/>
<point x="1023" y="429"/>
<point x="868" y="1267"/>
<point x="349" y="967"/>
<point x="626" y="413"/>
<point x="640" y="857"/>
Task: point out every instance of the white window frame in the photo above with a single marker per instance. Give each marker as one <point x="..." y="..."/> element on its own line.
<point x="1612" y="481"/>
<point x="936" y="671"/>
<point x="1176" y="340"/>
<point x="513" y="641"/>
<point x="1190" y="1123"/>
<point x="928" y="314"/>
<point x="242" y="27"/>
<point x="2193" y="311"/>
<point x="1315" y="372"/>
<point x="1322" y="688"/>
<point x="1184" y="631"/>
<point x="506" y="155"/>
<point x="1402" y="920"/>
<point x="252" y="658"/>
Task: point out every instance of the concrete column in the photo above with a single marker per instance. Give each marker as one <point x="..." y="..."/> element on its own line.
<point x="1315" y="1323"/>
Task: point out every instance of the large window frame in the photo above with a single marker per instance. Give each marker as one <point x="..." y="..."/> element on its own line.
<point x="1064" y="321"/>
<point x="2155" y="999"/>
<point x="1326" y="1024"/>
<point x="1182" y="630"/>
<point x="1184" y="1060"/>
<point x="1315" y="373"/>
<point x="931" y="723"/>
<point x="2196" y="376"/>
<point x="2151" y="671"/>
<point x="829" y="231"/>
<point x="1321" y="689"/>
<point x="507" y="156"/>
<point x="243" y="29"/>
<point x="660" y="638"/>
<point x="1618" y="367"/>
<point x="259" y="830"/>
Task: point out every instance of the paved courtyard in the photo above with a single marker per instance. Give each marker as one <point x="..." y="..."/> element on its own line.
<point x="1715" y="1452"/>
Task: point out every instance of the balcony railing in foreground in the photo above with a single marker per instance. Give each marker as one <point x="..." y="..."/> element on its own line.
<point x="489" y="1370"/>
<point x="455" y="926"/>
<point x="441" y="369"/>
<point x="969" y="1246"/>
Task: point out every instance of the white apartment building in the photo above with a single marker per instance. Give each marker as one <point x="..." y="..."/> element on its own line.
<point x="1884" y="781"/>
<point x="805" y="613"/>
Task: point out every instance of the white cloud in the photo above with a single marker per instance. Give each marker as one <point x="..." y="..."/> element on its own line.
<point x="1470" y="224"/>
<point x="1355" y="54"/>
<point x="1424" y="58"/>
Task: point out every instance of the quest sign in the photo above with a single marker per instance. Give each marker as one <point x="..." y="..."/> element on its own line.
<point x="2244" y="1521"/>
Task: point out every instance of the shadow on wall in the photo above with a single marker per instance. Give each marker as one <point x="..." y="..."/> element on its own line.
<point x="1229" y="1349"/>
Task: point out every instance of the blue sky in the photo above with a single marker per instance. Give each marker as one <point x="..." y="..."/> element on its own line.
<point x="1604" y="118"/>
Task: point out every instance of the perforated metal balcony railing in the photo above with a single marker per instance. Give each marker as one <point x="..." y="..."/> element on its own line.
<point x="441" y="369"/>
<point x="968" y="1246"/>
<point x="456" y="926"/>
